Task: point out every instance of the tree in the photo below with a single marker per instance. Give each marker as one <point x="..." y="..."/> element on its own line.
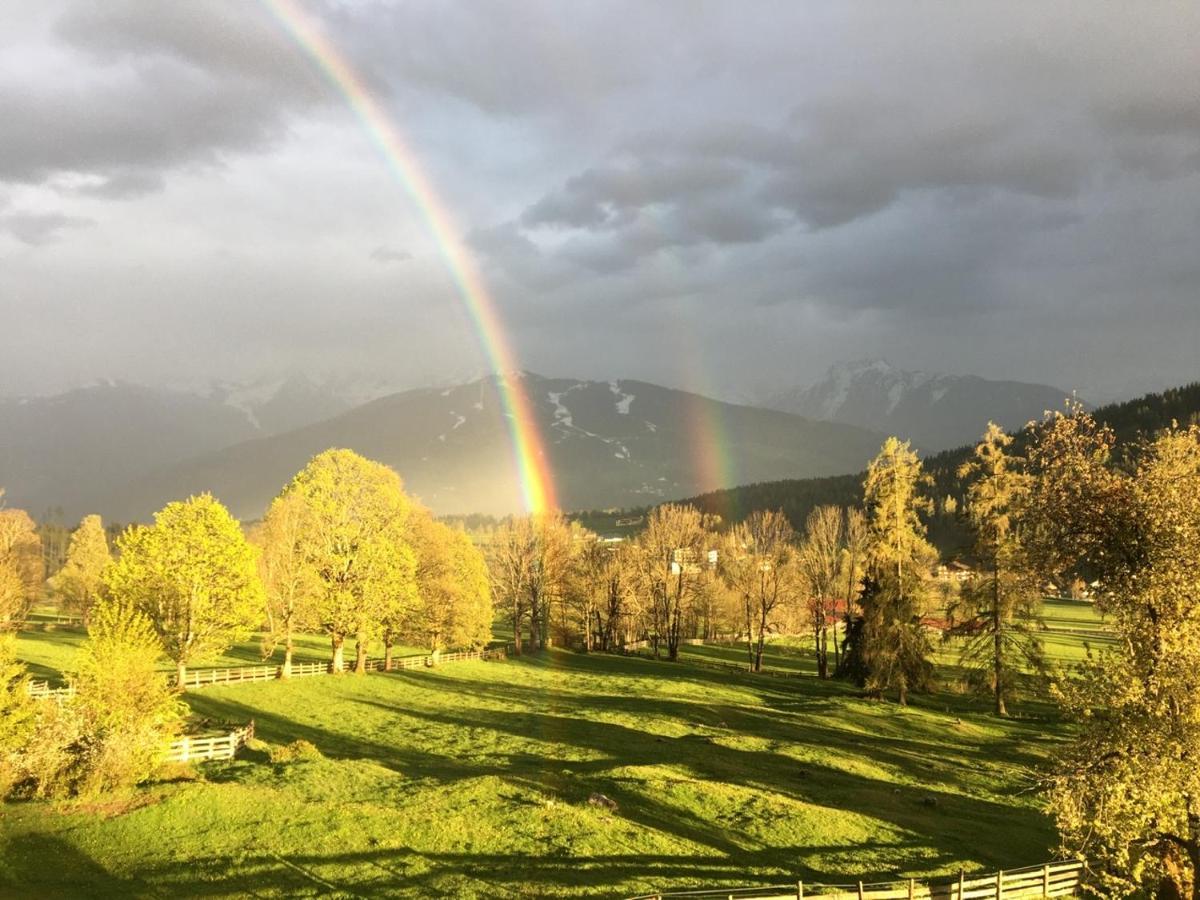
<point x="289" y="582"/>
<point x="77" y="583"/>
<point x="510" y="559"/>
<point x="998" y="610"/>
<point x="18" y="715"/>
<point x="759" y="566"/>
<point x="355" y="540"/>
<point x="892" y="643"/>
<point x="21" y="566"/>
<point x="672" y="568"/>
<point x="453" y="604"/>
<point x="549" y="570"/>
<point x="128" y="715"/>
<point x="1126" y="795"/>
<point x="820" y="562"/>
<point x="193" y="575"/>
<point x="855" y="540"/>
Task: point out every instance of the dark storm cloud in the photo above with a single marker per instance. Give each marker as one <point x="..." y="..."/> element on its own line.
<point x="154" y="86"/>
<point x="1005" y="188"/>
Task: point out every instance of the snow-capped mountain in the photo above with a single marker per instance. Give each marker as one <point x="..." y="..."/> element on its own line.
<point x="605" y="444"/>
<point x="934" y="411"/>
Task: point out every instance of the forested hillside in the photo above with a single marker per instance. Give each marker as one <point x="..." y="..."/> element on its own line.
<point x="797" y="497"/>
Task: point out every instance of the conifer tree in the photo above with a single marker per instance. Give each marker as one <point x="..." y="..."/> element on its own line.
<point x="895" y="650"/>
<point x="193" y="575"/>
<point x="77" y="583"/>
<point x="997" y="612"/>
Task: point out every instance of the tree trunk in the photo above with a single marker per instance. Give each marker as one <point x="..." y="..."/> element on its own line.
<point x="285" y="671"/>
<point x="387" y="654"/>
<point x="360" y="653"/>
<point x="997" y="646"/>
<point x="516" y="618"/>
<point x="180" y="674"/>
<point x="336" y="664"/>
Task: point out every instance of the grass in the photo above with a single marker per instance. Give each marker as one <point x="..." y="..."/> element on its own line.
<point x="474" y="780"/>
<point x="49" y="655"/>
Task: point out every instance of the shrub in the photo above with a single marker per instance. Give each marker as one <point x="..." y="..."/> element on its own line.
<point x="296" y="751"/>
<point x="127" y="711"/>
<point x="17" y="715"/>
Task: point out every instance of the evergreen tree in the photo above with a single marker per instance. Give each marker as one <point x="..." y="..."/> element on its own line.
<point x="997" y="613"/>
<point x="894" y="646"/>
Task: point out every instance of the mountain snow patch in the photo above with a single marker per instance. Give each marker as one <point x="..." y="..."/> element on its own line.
<point x="624" y="401"/>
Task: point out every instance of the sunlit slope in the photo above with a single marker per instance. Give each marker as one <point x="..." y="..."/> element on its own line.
<point x="477" y="780"/>
<point x="615" y="444"/>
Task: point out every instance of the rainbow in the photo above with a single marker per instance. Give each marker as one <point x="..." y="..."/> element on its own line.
<point x="537" y="486"/>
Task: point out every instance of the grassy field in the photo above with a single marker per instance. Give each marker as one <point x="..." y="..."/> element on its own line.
<point x="475" y="779"/>
<point x="49" y="655"/>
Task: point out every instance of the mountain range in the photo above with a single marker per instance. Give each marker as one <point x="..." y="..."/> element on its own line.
<point x="608" y="444"/>
<point x="125" y="450"/>
<point x="935" y="411"/>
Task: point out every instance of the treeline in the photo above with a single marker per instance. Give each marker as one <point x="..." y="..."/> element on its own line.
<point x="948" y="531"/>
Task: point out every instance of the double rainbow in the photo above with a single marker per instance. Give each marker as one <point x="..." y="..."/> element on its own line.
<point x="537" y="487"/>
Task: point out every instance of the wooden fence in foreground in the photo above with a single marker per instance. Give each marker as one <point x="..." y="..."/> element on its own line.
<point x="1056" y="879"/>
<point x="221" y="746"/>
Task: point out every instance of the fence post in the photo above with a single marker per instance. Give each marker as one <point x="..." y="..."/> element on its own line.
<point x="1046" y="880"/>
<point x="912" y="888"/>
<point x="860" y="891"/>
<point x="999" y="884"/>
<point x="184" y="749"/>
<point x="962" y="876"/>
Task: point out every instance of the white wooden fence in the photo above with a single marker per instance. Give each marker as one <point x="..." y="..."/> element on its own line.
<point x="221" y="746"/>
<point x="43" y="691"/>
<point x="195" y="678"/>
<point x="1056" y="879"/>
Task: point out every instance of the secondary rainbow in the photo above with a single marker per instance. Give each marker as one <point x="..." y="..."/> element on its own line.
<point x="537" y="486"/>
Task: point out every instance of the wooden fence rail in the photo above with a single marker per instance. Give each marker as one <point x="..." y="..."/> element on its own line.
<point x="195" y="678"/>
<point x="198" y="749"/>
<point x="43" y="691"/>
<point x="1056" y="879"/>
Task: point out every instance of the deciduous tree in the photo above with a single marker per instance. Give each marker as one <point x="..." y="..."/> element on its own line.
<point x="1126" y="794"/>
<point x="355" y="539"/>
<point x="21" y="567"/>
<point x="77" y="583"/>
<point x="820" y="560"/>
<point x="290" y="583"/>
<point x="759" y="564"/>
<point x="194" y="576"/>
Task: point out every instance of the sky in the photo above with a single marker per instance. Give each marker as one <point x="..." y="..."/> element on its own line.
<point x="726" y="197"/>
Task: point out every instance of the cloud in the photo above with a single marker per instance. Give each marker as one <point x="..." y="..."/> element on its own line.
<point x="36" y="229"/>
<point x="128" y="92"/>
<point x="383" y="254"/>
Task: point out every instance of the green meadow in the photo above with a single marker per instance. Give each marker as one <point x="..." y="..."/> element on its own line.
<point x="485" y="779"/>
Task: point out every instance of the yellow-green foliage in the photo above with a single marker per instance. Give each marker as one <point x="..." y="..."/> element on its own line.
<point x="127" y="713"/>
<point x="453" y="605"/>
<point x="21" y="567"/>
<point x="77" y="584"/>
<point x="356" y="514"/>
<point x="17" y="713"/>
<point x="194" y="576"/>
<point x="1127" y="794"/>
